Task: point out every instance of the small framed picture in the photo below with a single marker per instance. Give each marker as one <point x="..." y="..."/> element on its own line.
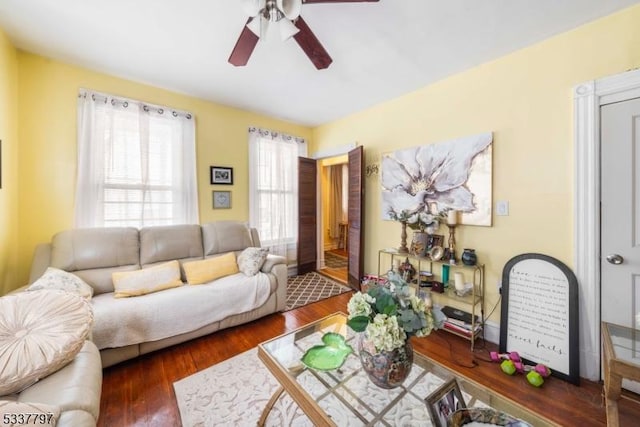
<point x="444" y="401"/>
<point x="221" y="199"/>
<point x="221" y="175"/>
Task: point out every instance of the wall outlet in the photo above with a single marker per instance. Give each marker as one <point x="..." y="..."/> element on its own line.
<point x="499" y="287"/>
<point x="502" y="208"/>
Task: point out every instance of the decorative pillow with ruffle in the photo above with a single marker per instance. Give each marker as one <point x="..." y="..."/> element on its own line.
<point x="251" y="260"/>
<point x="40" y="332"/>
<point x="55" y="278"/>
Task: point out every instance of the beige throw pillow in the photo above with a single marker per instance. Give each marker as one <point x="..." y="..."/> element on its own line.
<point x="40" y="332"/>
<point x="209" y="269"/>
<point x="251" y="260"/>
<point x="55" y="278"/>
<point x="147" y="280"/>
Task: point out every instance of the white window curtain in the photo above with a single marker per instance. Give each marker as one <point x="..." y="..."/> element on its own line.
<point x="136" y="164"/>
<point x="273" y="189"/>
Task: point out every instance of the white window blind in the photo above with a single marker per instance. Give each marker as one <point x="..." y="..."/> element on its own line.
<point x="136" y="164"/>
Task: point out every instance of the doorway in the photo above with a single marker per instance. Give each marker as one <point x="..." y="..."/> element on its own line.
<point x="334" y="192"/>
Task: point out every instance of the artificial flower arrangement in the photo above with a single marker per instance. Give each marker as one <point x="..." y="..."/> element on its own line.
<point x="390" y="314"/>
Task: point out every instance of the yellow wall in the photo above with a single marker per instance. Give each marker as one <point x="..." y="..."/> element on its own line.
<point x="8" y="168"/>
<point x="47" y="162"/>
<point x="525" y="99"/>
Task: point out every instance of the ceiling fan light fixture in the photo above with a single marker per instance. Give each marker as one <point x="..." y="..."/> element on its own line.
<point x="253" y="7"/>
<point x="259" y="26"/>
<point x="287" y="29"/>
<point x="290" y="8"/>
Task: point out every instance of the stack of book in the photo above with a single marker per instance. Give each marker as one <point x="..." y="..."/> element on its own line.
<point x="460" y="322"/>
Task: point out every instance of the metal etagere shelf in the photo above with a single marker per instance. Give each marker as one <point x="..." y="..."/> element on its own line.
<point x="472" y="302"/>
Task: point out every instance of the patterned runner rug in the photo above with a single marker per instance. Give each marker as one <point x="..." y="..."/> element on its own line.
<point x="311" y="287"/>
<point x="333" y="260"/>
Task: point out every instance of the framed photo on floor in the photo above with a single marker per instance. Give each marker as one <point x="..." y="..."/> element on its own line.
<point x="444" y="401"/>
<point x="221" y="175"/>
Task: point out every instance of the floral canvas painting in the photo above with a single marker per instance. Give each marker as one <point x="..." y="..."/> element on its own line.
<point x="422" y="182"/>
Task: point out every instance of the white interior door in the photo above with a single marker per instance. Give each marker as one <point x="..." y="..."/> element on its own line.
<point x="620" y="201"/>
<point x="620" y="215"/>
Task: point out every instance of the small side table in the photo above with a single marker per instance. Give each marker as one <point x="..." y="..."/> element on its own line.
<point x="621" y="359"/>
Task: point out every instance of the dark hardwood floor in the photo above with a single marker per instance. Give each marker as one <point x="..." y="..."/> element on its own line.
<point x="140" y="392"/>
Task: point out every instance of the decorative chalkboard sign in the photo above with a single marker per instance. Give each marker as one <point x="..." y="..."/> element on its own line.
<point x="539" y="317"/>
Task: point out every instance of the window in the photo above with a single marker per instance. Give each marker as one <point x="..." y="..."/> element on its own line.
<point x="136" y="164"/>
<point x="273" y="187"/>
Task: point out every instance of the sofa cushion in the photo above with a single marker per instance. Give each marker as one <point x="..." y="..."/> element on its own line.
<point x="250" y="261"/>
<point x="40" y="332"/>
<point x="75" y="389"/>
<point x="225" y="236"/>
<point x="126" y="321"/>
<point x="90" y="248"/>
<point x="55" y="278"/>
<point x="28" y="414"/>
<point x="209" y="269"/>
<point x="171" y="242"/>
<point x="147" y="280"/>
<point x="78" y="251"/>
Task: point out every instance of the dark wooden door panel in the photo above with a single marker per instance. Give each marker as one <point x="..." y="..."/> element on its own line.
<point x="307" y="214"/>
<point x="355" y="215"/>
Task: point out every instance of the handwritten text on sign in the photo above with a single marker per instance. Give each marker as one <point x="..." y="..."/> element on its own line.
<point x="539" y="313"/>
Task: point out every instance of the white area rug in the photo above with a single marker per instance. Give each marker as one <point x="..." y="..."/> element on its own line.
<point x="234" y="393"/>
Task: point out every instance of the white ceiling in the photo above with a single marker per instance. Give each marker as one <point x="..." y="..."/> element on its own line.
<point x="379" y="50"/>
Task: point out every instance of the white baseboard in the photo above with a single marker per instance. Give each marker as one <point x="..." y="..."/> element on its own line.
<point x="492" y="332"/>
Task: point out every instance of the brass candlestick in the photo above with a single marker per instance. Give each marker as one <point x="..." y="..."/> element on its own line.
<point x="403" y="239"/>
<point x="452" y="243"/>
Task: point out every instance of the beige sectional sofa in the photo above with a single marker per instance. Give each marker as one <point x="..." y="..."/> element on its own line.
<point x="127" y="327"/>
<point x="124" y="328"/>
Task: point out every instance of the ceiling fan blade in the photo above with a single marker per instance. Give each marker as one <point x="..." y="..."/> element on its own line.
<point x="339" y="1"/>
<point x="311" y="45"/>
<point x="244" y="47"/>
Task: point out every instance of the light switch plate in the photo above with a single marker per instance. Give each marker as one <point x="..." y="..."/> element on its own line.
<point x="502" y="208"/>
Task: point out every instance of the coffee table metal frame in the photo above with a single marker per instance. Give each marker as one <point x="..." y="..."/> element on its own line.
<point x="286" y="376"/>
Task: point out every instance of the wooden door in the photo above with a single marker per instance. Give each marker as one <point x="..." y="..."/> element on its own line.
<point x="355" y="216"/>
<point x="307" y="211"/>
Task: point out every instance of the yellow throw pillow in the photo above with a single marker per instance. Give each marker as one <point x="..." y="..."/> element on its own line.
<point x="209" y="269"/>
<point x="147" y="280"/>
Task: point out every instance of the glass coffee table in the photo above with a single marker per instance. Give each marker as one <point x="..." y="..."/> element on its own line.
<point x="346" y="396"/>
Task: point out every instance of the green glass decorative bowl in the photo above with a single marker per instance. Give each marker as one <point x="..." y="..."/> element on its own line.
<point x="331" y="355"/>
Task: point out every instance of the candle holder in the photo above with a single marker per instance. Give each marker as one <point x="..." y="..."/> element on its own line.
<point x="403" y="249"/>
<point x="452" y="243"/>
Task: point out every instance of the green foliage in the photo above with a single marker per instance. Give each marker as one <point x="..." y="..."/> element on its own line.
<point x="358" y="323"/>
<point x="394" y="300"/>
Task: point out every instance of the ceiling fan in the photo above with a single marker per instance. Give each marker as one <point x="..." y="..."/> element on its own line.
<point x="285" y="14"/>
